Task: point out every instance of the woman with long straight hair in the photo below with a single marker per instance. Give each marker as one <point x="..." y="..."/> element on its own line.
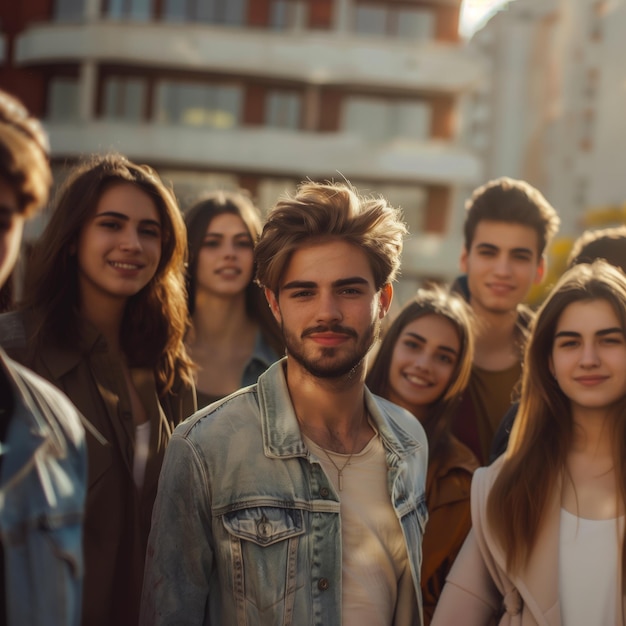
<point x="104" y="320"/>
<point x="547" y="544"/>
<point x="233" y="336"/>
<point x="424" y="364"/>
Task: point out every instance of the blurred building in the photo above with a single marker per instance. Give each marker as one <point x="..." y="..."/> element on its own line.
<point x="262" y="94"/>
<point x="551" y="105"/>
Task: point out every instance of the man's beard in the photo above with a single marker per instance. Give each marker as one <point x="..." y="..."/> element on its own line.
<point x="327" y="364"/>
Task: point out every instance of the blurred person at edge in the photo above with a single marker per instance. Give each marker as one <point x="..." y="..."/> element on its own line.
<point x="43" y="460"/>
<point x="233" y="336"/>
<point x="104" y="320"/>
<point x="547" y="539"/>
<point x="606" y="243"/>
<point x="508" y="224"/>
<point x="300" y="500"/>
<point x="423" y="365"/>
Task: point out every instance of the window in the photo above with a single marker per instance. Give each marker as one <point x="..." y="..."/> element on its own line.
<point x="196" y="104"/>
<point x="124" y="98"/>
<point x="286" y="14"/>
<point x="378" y="119"/>
<point x="227" y="12"/>
<point x="129" y="9"/>
<point x="63" y="99"/>
<point x="402" y="20"/>
<point x="69" y="10"/>
<point x="282" y="109"/>
<point x="412" y="199"/>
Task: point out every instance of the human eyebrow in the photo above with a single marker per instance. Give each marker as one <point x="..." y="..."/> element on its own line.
<point x="299" y="284"/>
<point x="566" y="333"/>
<point x="115" y="214"/>
<point x="610" y="331"/>
<point x="487" y="247"/>
<point x="354" y="280"/>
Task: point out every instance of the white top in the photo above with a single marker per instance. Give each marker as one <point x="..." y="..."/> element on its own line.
<point x="377" y="587"/>
<point x="589" y="562"/>
<point x="142" y="447"/>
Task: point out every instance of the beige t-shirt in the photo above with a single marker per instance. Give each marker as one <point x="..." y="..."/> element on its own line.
<point x="377" y="588"/>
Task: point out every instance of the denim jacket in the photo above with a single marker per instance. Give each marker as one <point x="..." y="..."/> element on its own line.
<point x="42" y="493"/>
<point x="246" y="526"/>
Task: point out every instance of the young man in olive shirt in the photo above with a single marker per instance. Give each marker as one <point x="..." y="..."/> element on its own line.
<point x="507" y="228"/>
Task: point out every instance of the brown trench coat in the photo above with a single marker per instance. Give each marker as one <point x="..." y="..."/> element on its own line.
<point x="480" y="592"/>
<point x="117" y="515"/>
<point x="448" y="499"/>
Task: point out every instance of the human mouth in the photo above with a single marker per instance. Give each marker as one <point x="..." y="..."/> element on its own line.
<point x="228" y="272"/>
<point x="500" y="289"/>
<point x="417" y="381"/>
<point x="121" y="265"/>
<point x="329" y="339"/>
<point x="590" y="381"/>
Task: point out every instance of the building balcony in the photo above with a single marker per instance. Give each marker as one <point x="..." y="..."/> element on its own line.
<point x="309" y="57"/>
<point x="271" y="152"/>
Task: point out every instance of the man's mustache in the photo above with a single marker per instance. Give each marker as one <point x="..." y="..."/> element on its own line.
<point x="334" y="328"/>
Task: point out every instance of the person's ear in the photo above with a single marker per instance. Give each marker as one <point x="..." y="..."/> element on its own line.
<point x="541" y="270"/>
<point x="385" y="298"/>
<point x="272" y="300"/>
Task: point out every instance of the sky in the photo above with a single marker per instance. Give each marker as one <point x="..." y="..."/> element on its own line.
<point x="474" y="13"/>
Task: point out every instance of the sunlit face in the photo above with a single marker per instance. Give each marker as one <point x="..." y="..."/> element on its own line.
<point x="501" y="265"/>
<point x="588" y="356"/>
<point x="329" y="308"/>
<point x="225" y="260"/>
<point x="11" y="228"/>
<point x="422" y="363"/>
<point x="119" y="247"/>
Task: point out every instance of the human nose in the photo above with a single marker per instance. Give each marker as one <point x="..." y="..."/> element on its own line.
<point x="130" y="240"/>
<point x="329" y="310"/>
<point x="502" y="265"/>
<point x="589" y="357"/>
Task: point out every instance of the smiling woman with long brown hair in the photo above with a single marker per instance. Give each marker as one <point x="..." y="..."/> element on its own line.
<point x="547" y="542"/>
<point x="104" y="321"/>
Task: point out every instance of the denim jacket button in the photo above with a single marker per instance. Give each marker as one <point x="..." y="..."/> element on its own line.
<point x="264" y="529"/>
<point x="324" y="492"/>
<point x="323" y="584"/>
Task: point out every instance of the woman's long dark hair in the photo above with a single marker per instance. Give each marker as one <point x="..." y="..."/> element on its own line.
<point x="543" y="430"/>
<point x="197" y="220"/>
<point x="433" y="301"/>
<point x="155" y="319"/>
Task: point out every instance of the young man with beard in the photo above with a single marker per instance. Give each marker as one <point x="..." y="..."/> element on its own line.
<point x="43" y="458"/>
<point x="300" y="500"/>
<point x="507" y="227"/>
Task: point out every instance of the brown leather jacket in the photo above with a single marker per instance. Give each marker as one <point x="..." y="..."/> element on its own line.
<point x="118" y="515"/>
<point x="448" y="499"/>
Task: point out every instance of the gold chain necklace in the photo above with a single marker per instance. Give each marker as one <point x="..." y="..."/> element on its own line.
<point x="341" y="469"/>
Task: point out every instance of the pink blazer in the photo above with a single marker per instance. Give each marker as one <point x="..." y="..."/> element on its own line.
<point x="479" y="591"/>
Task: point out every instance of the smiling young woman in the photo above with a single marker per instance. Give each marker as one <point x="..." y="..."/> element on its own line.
<point x="423" y="365"/>
<point x="104" y="320"/>
<point x="233" y="336"/>
<point x="548" y="516"/>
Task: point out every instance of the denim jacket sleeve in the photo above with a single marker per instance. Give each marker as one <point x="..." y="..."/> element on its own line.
<point x="177" y="575"/>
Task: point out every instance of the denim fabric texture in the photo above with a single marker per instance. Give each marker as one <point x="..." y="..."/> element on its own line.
<point x="43" y="482"/>
<point x="246" y="525"/>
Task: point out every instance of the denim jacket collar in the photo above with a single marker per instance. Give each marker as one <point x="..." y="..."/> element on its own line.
<point x="281" y="432"/>
<point x="29" y="433"/>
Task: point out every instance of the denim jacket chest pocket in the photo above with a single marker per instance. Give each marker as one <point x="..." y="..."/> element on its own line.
<point x="264" y="546"/>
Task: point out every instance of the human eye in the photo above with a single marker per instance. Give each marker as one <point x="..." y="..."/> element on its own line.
<point x="301" y="293"/>
<point x="109" y="224"/>
<point x="210" y="243"/>
<point x="411" y="344"/>
<point x="446" y="359"/>
<point x="520" y="256"/>
<point x="567" y="343"/>
<point x="486" y="252"/>
<point x="244" y="243"/>
<point x="614" y="339"/>
<point x="150" y="231"/>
